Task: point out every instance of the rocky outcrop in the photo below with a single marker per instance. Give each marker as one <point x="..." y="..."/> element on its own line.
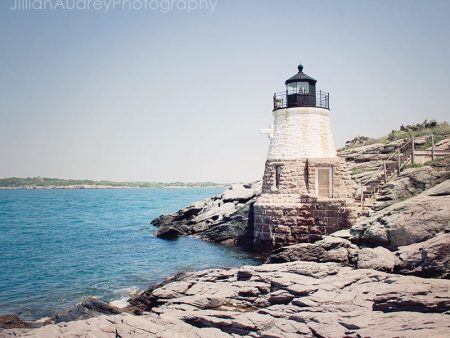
<point x="12" y="321"/>
<point x="339" y="250"/>
<point x="364" y="161"/>
<point x="123" y="325"/>
<point x="226" y="218"/>
<point x="294" y="299"/>
<point x="409" y="183"/>
<point x="411" y="221"/>
<point x="410" y="237"/>
<point x="427" y="259"/>
<point x="329" y="249"/>
<point x="88" y="308"/>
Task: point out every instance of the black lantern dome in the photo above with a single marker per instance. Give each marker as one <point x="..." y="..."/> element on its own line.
<point x="300" y="77"/>
<point x="301" y="92"/>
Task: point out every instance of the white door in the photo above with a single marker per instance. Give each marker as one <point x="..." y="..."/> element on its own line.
<point x="324" y="178"/>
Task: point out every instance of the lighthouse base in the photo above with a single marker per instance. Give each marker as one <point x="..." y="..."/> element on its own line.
<point x="282" y="220"/>
<point x="303" y="200"/>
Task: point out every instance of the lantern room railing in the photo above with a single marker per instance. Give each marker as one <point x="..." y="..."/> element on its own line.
<point x="284" y="99"/>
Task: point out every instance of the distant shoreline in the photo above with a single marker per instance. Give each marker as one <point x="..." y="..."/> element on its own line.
<point x="37" y="183"/>
<point x="94" y="187"/>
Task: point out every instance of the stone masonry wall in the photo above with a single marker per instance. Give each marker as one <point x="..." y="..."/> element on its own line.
<point x="292" y="212"/>
<point x="278" y="223"/>
<point x="299" y="177"/>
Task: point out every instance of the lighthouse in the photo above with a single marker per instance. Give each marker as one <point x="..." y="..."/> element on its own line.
<point x="307" y="191"/>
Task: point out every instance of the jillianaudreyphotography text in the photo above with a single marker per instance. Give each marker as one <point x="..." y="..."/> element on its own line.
<point x="163" y="6"/>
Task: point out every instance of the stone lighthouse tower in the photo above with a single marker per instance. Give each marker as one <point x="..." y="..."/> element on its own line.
<point x="307" y="190"/>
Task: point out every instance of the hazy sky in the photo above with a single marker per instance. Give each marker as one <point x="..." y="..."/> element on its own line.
<point x="160" y="95"/>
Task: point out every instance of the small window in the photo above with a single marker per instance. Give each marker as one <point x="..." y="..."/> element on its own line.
<point x="298" y="88"/>
<point x="324" y="182"/>
<point x="277" y="175"/>
<point x="292" y="88"/>
<point x="303" y="87"/>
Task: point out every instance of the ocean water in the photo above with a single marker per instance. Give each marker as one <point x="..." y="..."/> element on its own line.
<point x="60" y="246"/>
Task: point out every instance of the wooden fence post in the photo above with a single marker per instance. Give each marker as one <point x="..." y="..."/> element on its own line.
<point x="432" y="146"/>
<point x="399" y="164"/>
<point x="362" y="194"/>
<point x="385" y="173"/>
<point x="412" y="151"/>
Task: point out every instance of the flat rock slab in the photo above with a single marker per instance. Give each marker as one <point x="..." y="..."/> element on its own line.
<point x="305" y="299"/>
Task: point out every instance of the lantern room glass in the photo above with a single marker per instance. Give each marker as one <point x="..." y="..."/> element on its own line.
<point x="298" y="88"/>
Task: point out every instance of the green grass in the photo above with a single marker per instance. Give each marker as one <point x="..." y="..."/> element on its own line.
<point x="438" y="137"/>
<point x="356" y="171"/>
<point x="440" y="130"/>
<point x="415" y="165"/>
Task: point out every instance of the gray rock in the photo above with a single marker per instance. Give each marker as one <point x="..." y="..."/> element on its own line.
<point x="171" y="290"/>
<point x="168" y="232"/>
<point x="226" y="218"/>
<point x="309" y="299"/>
<point x="88" y="308"/>
<point x="300" y="299"/>
<point x="236" y="228"/>
<point x="427" y="259"/>
<point x="216" y="212"/>
<point x="405" y="301"/>
<point x="411" y="221"/>
<point x="329" y="249"/>
<point x="281" y="297"/>
<point x="379" y="258"/>
<point x="344" y="233"/>
<point x="409" y="183"/>
<point x="240" y="193"/>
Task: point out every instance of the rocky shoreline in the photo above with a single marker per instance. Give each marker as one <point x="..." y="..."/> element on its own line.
<point x="371" y="280"/>
<point x="388" y="275"/>
<point x="226" y="218"/>
<point x="295" y="299"/>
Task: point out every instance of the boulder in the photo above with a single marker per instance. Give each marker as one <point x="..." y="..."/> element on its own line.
<point x="240" y="193"/>
<point x="236" y="228"/>
<point x="411" y="221"/>
<point x="430" y="258"/>
<point x="410" y="182"/>
<point x="225" y="218"/>
<point x="329" y="249"/>
<point x="88" y="308"/>
<point x="216" y="212"/>
<point x="168" y="232"/>
<point x="379" y="258"/>
<point x="427" y="259"/>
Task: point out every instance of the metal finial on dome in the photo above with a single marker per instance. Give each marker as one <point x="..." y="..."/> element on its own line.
<point x="300" y="77"/>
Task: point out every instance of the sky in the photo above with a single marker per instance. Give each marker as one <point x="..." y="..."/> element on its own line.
<point x="158" y="94"/>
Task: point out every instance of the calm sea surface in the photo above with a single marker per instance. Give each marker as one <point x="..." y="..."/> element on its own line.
<point x="59" y="246"/>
